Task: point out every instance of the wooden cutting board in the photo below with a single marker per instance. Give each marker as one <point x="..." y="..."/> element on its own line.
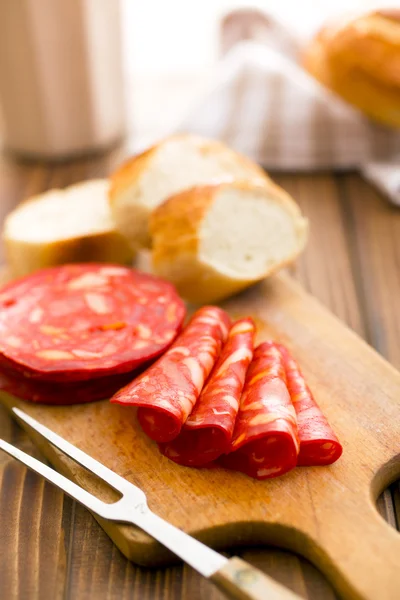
<point x="327" y="514"/>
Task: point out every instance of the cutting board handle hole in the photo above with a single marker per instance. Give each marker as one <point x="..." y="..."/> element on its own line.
<point x="388" y="505"/>
<point x="385" y="491"/>
<point x="386" y="475"/>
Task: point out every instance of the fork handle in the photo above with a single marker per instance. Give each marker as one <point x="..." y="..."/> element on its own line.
<point x="241" y="581"/>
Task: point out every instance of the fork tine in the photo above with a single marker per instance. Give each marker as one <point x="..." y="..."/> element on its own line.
<point x="118" y="483"/>
<point x="68" y="486"/>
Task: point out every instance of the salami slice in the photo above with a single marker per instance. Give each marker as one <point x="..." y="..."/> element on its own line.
<point x="318" y="443"/>
<point x="208" y="430"/>
<point x="168" y="390"/>
<point x="265" y="442"/>
<point x="57" y="393"/>
<point x="77" y="322"/>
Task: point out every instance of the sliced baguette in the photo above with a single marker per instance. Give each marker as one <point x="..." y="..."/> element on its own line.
<point x="62" y="226"/>
<point x="213" y="241"/>
<point x="177" y="163"/>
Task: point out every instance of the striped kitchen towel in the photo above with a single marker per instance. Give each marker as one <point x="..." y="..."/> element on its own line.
<point x="262" y="103"/>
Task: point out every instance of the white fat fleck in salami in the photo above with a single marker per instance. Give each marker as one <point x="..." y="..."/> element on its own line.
<point x="232" y="401"/>
<point x="194" y="421"/>
<point x="256" y="459"/>
<point x="143" y="331"/>
<point x="237" y="356"/>
<point x="168" y="335"/>
<point x="112" y="272"/>
<point x="142" y="301"/>
<point x="207" y="360"/>
<point x="36" y="315"/>
<point x="97" y="303"/>
<point x="178" y="376"/>
<point x="149" y="418"/>
<point x="327" y="446"/>
<point x="111" y="316"/>
<point x="51" y="330"/>
<point x="208" y="430"/>
<point x="264" y="419"/>
<point x="186" y="406"/>
<point x="13" y="341"/>
<point x="264" y="473"/>
<point x="87" y="354"/>
<point x="196" y="372"/>
<point x="170" y="313"/>
<point x="139" y="344"/>
<point x="241" y="326"/>
<point x="182" y="350"/>
<point x="55" y="355"/>
<point x="87" y="281"/>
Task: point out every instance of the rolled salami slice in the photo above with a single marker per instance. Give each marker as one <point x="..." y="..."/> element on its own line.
<point x="208" y="430"/>
<point x="265" y="442"/>
<point x="82" y="321"/>
<point x="318" y="442"/>
<point x="168" y="390"/>
<point x="57" y="393"/>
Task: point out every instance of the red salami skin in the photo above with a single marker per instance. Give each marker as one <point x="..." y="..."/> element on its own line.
<point x="265" y="442"/>
<point x="208" y="430"/>
<point x="82" y="321"/>
<point x="318" y="443"/>
<point x="58" y="393"/>
<point x="168" y="390"/>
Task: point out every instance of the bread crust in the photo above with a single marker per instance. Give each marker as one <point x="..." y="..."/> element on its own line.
<point x="175" y="227"/>
<point x="359" y="59"/>
<point x="128" y="176"/>
<point x="26" y="256"/>
<point x="128" y="173"/>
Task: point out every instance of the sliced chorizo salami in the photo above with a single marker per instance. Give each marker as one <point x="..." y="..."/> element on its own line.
<point x="318" y="442"/>
<point x="168" y="390"/>
<point x="77" y="322"/>
<point x="57" y="393"/>
<point x="208" y="430"/>
<point x="265" y="442"/>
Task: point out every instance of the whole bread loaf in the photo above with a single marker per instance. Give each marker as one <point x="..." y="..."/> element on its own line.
<point x="358" y="57"/>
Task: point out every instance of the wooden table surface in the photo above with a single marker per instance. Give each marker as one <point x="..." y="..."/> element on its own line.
<point x="50" y="547"/>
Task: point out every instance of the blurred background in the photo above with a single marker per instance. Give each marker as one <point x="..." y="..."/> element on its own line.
<point x="172" y="47"/>
<point x="65" y="70"/>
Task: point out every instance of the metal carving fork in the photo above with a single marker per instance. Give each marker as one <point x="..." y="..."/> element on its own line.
<point x="233" y="576"/>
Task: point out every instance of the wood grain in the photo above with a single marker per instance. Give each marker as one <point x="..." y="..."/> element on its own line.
<point x="373" y="228"/>
<point x="325" y="268"/>
<point x="328" y="511"/>
<point x="335" y="204"/>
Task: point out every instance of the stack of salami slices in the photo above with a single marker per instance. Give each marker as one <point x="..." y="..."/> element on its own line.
<point x="78" y="333"/>
<point x="212" y="398"/>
